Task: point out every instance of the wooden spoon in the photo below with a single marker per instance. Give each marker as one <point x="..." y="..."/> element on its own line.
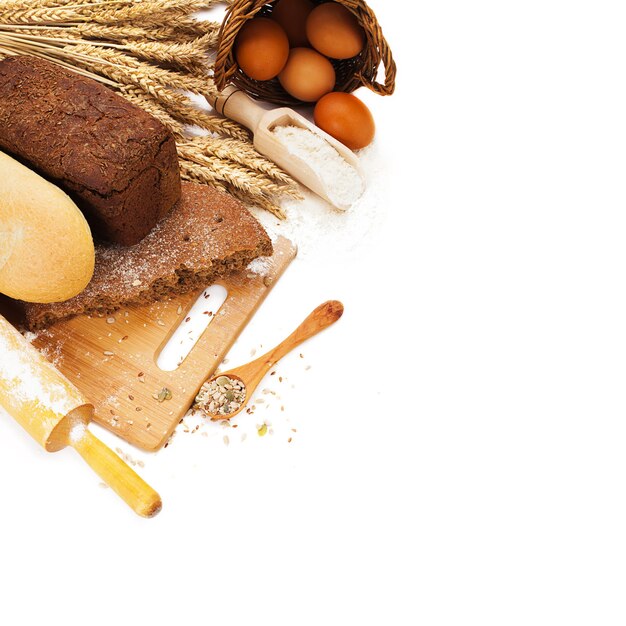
<point x="252" y="373"/>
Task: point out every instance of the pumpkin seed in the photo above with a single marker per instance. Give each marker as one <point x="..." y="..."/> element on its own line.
<point x="164" y="394"/>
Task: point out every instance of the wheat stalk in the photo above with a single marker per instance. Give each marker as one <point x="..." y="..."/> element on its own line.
<point x="195" y="117"/>
<point x="243" y="179"/>
<point x="176" y="107"/>
<point x="153" y="12"/>
<point x="189" y="56"/>
<point x="148" y="103"/>
<point x="138" y="71"/>
<point x="104" y="11"/>
<point x="242" y="153"/>
<point x="122" y="32"/>
<point x="186" y="55"/>
<point x="17" y="5"/>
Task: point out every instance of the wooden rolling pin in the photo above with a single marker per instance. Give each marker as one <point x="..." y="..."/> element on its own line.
<point x="56" y="415"/>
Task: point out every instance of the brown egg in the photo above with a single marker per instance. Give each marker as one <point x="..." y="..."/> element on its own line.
<point x="334" y="31"/>
<point x="308" y="75"/>
<point x="292" y="15"/>
<point x="344" y="117"/>
<point x="261" y="49"/>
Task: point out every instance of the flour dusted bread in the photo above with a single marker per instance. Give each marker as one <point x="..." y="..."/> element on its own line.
<point x="46" y="249"/>
<point x="208" y="234"/>
<point x="117" y="162"/>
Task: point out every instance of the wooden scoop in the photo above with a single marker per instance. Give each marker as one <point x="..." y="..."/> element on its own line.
<point x="236" y="105"/>
<point x="252" y="373"/>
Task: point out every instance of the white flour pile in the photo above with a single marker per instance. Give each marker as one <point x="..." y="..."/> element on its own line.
<point x="343" y="182"/>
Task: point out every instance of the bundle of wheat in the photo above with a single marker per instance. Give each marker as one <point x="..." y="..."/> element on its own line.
<point x="154" y="53"/>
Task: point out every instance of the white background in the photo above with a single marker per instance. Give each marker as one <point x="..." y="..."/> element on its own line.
<point x="459" y="454"/>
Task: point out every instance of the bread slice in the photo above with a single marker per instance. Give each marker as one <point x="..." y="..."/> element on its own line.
<point x="206" y="235"/>
<point x="46" y="249"/>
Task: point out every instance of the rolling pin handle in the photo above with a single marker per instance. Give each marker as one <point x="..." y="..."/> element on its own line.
<point x="144" y="500"/>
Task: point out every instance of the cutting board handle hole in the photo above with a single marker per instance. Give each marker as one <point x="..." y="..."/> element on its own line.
<point x="191" y="328"/>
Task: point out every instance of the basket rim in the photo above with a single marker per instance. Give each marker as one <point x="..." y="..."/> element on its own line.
<point x="367" y="64"/>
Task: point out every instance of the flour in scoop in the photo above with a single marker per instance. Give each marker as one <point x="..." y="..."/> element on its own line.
<point x="344" y="184"/>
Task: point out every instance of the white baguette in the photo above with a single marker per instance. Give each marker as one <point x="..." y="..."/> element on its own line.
<point x="46" y="248"/>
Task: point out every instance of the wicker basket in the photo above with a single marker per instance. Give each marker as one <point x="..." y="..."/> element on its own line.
<point x="351" y="73"/>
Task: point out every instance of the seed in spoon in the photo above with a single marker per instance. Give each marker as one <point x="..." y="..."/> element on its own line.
<point x="221" y="396"/>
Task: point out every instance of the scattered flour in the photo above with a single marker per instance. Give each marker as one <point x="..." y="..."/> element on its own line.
<point x="323" y="233"/>
<point x="77" y="432"/>
<point x="29" y="379"/>
<point x="343" y="183"/>
<point x="260" y="266"/>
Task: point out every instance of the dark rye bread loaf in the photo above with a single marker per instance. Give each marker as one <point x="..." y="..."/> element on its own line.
<point x="206" y="235"/>
<point x="116" y="161"/>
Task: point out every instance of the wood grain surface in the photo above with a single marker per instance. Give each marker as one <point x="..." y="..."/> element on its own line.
<point x="112" y="360"/>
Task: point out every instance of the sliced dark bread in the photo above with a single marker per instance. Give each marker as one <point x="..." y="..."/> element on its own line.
<point x="206" y="235"/>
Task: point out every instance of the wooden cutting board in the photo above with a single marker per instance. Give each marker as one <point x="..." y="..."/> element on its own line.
<point x="112" y="360"/>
